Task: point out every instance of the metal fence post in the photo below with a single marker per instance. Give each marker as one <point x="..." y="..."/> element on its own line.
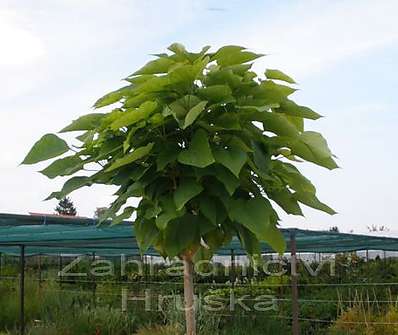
<point x="294" y="282"/>
<point x="22" y="291"/>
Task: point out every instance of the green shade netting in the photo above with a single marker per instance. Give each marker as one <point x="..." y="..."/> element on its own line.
<point x="54" y="235"/>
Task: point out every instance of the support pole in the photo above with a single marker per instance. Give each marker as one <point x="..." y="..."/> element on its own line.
<point x="233" y="272"/>
<point x="94" y="283"/>
<point x="60" y="267"/>
<point x="39" y="269"/>
<point x="22" y="291"/>
<point x="294" y="281"/>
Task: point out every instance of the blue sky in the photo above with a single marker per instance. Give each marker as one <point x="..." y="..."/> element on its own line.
<point x="58" y="56"/>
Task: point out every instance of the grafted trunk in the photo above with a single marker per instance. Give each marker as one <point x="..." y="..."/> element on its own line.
<point x="189" y="298"/>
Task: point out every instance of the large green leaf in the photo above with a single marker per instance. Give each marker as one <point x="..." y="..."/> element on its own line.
<point x="284" y="198"/>
<point x="208" y="208"/>
<point x="256" y="215"/>
<point x="273" y="122"/>
<point x="186" y="190"/>
<point x="131" y="157"/>
<point x="271" y="92"/>
<point x="182" y="234"/>
<point x="216" y="93"/>
<point x="276" y="239"/>
<point x="292" y="177"/>
<point x="289" y="107"/>
<point x="71" y="185"/>
<point x="133" y="116"/>
<point x="49" y="146"/>
<point x="233" y="159"/>
<point x="85" y="122"/>
<point x="198" y="153"/>
<point x="63" y="167"/>
<point x="313" y="147"/>
<point x="112" y="97"/>
<point x="231" y="55"/>
<point x="278" y="75"/>
<point x="194" y="113"/>
<point x="249" y="241"/>
<point x="167" y="155"/>
<point x="311" y="200"/>
<point x="146" y="233"/>
<point x="230" y="181"/>
<point x="160" y="65"/>
<point x="125" y="215"/>
<point x="169" y="212"/>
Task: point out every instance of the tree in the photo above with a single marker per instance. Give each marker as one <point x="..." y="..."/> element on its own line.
<point x="334" y="229"/>
<point x="205" y="144"/>
<point x="65" y="207"/>
<point x="99" y="212"/>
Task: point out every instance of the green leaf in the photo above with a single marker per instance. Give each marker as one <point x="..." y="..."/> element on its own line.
<point x="188" y="189"/>
<point x="312" y="147"/>
<point x="198" y="153"/>
<point x="127" y="213"/>
<point x="311" y="200"/>
<point x="85" y="122"/>
<point x="160" y="65"/>
<point x="131" y="117"/>
<point x="194" y="113"/>
<point x="276" y="239"/>
<point x="169" y="212"/>
<point x="182" y="234"/>
<point x="177" y="48"/>
<point x="146" y="233"/>
<point x="208" y="208"/>
<point x="278" y="75"/>
<point x="228" y="121"/>
<point x="285" y="199"/>
<point x="63" y="167"/>
<point x="249" y="241"/>
<point x="273" y="122"/>
<point x="233" y="159"/>
<point x="289" y="107"/>
<point x="271" y="92"/>
<point x="254" y="214"/>
<point x="216" y="93"/>
<point x="49" y="146"/>
<point x="292" y="176"/>
<point x="181" y="107"/>
<point x="131" y="157"/>
<point x="232" y="55"/>
<point x="86" y="137"/>
<point x="112" y="97"/>
<point x="229" y="180"/>
<point x="167" y="155"/>
<point x="71" y="185"/>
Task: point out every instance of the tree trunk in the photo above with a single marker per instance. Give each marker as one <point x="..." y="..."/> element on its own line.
<point x="189" y="298"/>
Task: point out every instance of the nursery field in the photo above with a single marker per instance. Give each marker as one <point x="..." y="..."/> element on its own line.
<point x="350" y="296"/>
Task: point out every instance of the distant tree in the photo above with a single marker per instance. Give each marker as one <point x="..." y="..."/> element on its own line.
<point x="334" y="229"/>
<point x="66" y="207"/>
<point x="375" y="228"/>
<point x="99" y="212"/>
